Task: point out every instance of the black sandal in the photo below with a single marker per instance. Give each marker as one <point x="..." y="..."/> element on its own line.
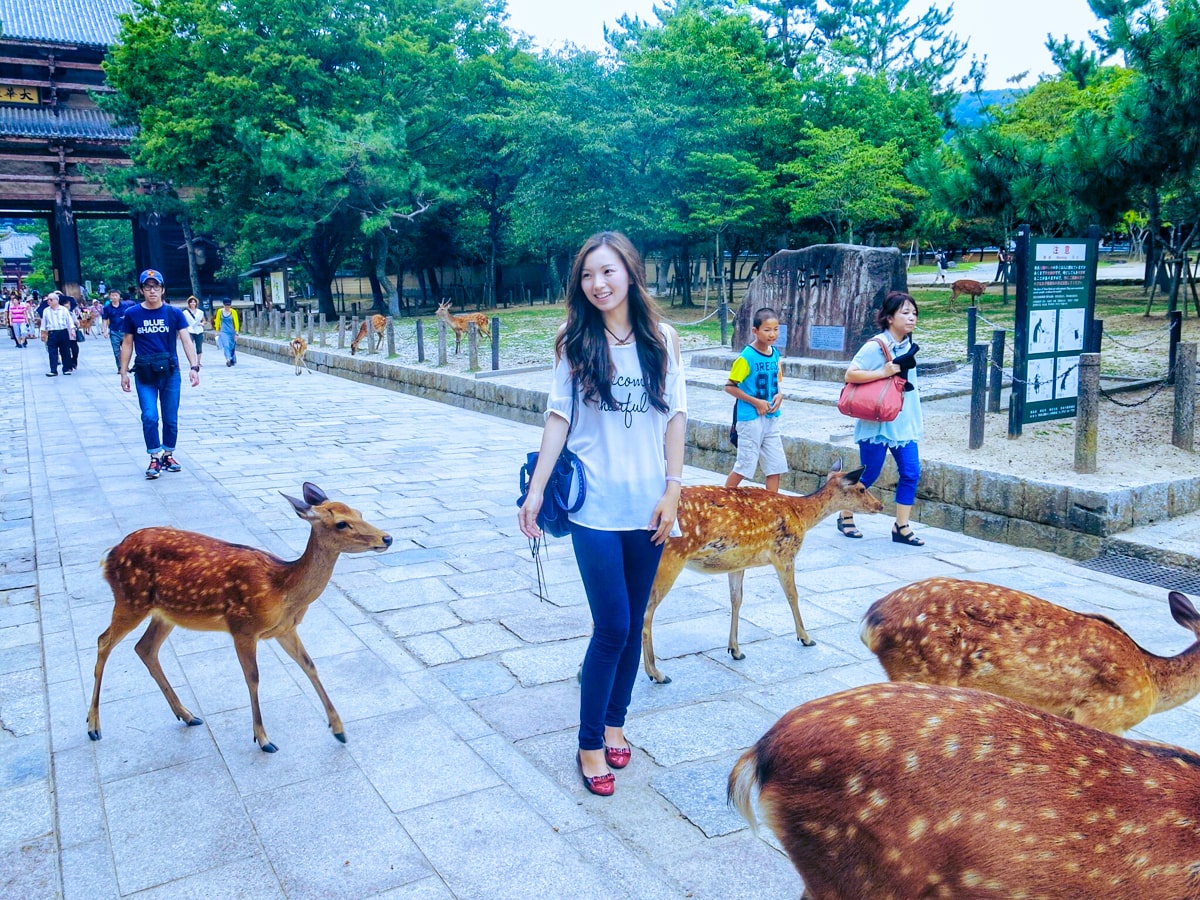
<point x="845" y="524"/>
<point x="904" y="535"/>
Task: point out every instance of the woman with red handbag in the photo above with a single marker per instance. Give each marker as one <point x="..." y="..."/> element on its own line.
<point x="897" y="317"/>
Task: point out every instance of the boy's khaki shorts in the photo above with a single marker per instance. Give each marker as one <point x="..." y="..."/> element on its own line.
<point x="759" y="441"/>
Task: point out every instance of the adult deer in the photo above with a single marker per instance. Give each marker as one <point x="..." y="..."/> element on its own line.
<point x="299" y="346"/>
<point x="1076" y="665"/>
<point x="460" y="324"/>
<point x="734" y="529"/>
<point x="378" y="325"/>
<point x="199" y="582"/>
<point x="972" y="289"/>
<point x="911" y="790"/>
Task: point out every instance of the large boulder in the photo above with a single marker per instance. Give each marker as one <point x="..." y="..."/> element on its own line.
<point x="826" y="297"/>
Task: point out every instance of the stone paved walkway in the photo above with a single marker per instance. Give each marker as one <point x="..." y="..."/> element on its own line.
<point x="457" y="685"/>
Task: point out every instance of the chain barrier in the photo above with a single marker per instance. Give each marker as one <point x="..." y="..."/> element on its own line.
<point x="697" y="322"/>
<point x="1151" y="343"/>
<point x="979" y="315"/>
<point x="1037" y="382"/>
<point x="1162" y="383"/>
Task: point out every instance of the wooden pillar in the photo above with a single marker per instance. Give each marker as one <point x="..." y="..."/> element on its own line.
<point x="1087" y="418"/>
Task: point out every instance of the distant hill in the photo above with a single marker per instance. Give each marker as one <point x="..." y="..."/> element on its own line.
<point x="969" y="111"/>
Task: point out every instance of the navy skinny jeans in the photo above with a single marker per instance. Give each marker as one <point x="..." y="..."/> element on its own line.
<point x="617" y="568"/>
<point x="150" y="398"/>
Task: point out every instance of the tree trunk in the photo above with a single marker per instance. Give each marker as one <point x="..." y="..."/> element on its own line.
<point x="386" y="300"/>
<point x="189" y="240"/>
<point x="685" y="270"/>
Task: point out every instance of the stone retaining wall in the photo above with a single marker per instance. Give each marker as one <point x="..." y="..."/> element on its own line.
<point x="1071" y="521"/>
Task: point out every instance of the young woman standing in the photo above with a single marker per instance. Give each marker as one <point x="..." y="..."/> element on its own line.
<point x="618" y="403"/>
<point x="897" y="317"/>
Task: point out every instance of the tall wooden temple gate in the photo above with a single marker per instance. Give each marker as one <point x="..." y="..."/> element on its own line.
<point x="51" y="130"/>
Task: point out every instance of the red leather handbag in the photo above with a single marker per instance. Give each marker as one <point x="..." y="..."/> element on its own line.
<point x="874" y="401"/>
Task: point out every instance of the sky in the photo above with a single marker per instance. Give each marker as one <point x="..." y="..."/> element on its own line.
<point x="1011" y="33"/>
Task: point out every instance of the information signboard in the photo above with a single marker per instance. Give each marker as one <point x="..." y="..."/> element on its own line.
<point x="1056" y="291"/>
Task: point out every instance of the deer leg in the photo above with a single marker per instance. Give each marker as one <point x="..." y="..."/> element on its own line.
<point x="246" y="646"/>
<point x="736" y="580"/>
<point x="147" y="648"/>
<point x="669" y="568"/>
<point x="124" y="620"/>
<point x="290" y="642"/>
<point x="787" y="580"/>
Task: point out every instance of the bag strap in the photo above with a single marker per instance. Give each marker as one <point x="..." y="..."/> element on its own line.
<point x="887" y="354"/>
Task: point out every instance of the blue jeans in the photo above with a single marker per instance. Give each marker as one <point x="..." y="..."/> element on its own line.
<point x="908" y="467"/>
<point x="115" y="340"/>
<point x="617" y="568"/>
<point x="150" y="398"/>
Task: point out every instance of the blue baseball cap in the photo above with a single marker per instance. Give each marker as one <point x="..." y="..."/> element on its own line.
<point x="151" y="273"/>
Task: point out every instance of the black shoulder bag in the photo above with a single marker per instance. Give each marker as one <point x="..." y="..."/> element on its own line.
<point x="565" y="490"/>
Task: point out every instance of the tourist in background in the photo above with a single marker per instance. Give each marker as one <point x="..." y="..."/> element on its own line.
<point x="227" y="326"/>
<point x="195" y="318"/>
<point x="897" y="317"/>
<point x="112" y="318"/>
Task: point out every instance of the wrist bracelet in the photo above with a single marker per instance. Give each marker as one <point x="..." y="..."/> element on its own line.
<point x="195" y="368"/>
<point x="675" y="478"/>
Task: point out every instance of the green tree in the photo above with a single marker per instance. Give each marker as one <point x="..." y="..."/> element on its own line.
<point x="106" y="251"/>
<point x="846" y="182"/>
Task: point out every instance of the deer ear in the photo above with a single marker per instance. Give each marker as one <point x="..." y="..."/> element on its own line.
<point x="853" y="475"/>
<point x="299" y="506"/>
<point x="837" y="465"/>
<point x="314" y="494"/>
<point x="1182" y="610"/>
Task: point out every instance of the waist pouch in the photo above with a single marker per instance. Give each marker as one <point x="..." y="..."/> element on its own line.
<point x="153" y="368"/>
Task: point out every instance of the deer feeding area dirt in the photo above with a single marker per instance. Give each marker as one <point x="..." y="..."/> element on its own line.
<point x="1133" y="444"/>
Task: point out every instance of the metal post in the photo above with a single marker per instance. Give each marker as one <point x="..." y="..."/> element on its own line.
<point x="997" y="383"/>
<point x="441" y="327"/>
<point x="1087" y="413"/>
<point x="495" y="343"/>
<point x="1176" y="317"/>
<point x="391" y="336"/>
<point x="473" y="346"/>
<point x="978" y="394"/>
<point x="341" y="332"/>
<point x="1183" y="433"/>
<point x="1016" y="398"/>
<point x="972" y="313"/>
<point x="420" y="341"/>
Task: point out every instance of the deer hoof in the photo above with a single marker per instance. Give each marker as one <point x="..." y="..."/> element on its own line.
<point x="194" y="720"/>
<point x="662" y="679"/>
<point x="807" y="642"/>
<point x="340" y="735"/>
<point x="269" y="747"/>
<point x="94" y="735"/>
<point x="736" y="654"/>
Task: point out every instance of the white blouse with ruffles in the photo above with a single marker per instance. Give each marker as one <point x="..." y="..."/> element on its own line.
<point x="621" y="448"/>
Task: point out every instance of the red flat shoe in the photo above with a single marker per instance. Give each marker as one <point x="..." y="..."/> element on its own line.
<point x="617" y="757"/>
<point x="600" y="785"/>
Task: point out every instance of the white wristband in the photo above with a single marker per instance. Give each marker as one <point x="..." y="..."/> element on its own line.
<point x="675" y="478"/>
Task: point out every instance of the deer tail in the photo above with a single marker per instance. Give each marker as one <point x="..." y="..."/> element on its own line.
<point x="742" y="782"/>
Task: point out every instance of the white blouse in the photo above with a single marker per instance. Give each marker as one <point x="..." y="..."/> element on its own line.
<point x="622" y="448"/>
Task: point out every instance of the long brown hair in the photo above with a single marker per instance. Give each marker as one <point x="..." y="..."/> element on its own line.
<point x="583" y="340"/>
